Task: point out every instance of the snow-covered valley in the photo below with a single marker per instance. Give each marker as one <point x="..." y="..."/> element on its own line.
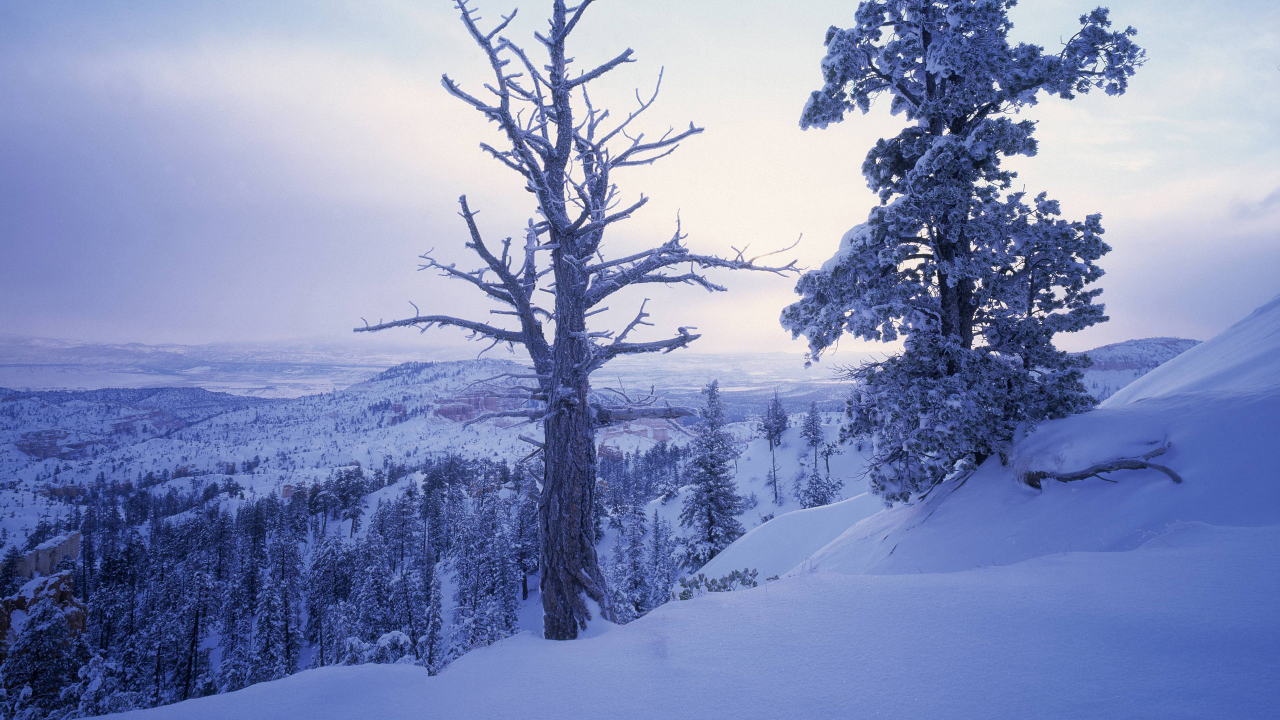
<point x="1122" y="596"/>
<point x="1127" y="595"/>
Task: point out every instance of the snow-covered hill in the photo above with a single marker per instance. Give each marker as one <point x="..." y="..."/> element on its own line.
<point x="1126" y="596"/>
<point x="51" y="440"/>
<point x="1117" y="365"/>
<point x="1242" y="360"/>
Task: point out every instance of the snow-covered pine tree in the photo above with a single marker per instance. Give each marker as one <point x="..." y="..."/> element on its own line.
<point x="819" y="489"/>
<point x="504" y="609"/>
<point x="196" y="608"/>
<point x="664" y="563"/>
<point x="238" y="607"/>
<point x="431" y="646"/>
<point x="269" y="650"/>
<point x="101" y="690"/>
<point x="483" y="563"/>
<point x="772" y="426"/>
<point x="340" y="633"/>
<point x="9" y="578"/>
<point x="374" y="614"/>
<point x="285" y="578"/>
<point x="710" y="511"/>
<point x="328" y="583"/>
<point x="629" y="579"/>
<point x="811" y="430"/>
<point x="410" y="596"/>
<point x="40" y="661"/>
<point x="526" y="527"/>
<point x="975" y="277"/>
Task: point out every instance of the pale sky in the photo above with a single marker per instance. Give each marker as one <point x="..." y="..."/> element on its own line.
<point x="243" y="171"/>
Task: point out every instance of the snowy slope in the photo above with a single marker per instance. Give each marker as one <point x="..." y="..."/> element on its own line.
<point x="1138" y="598"/>
<point x="1244" y="358"/>
<point x="788" y="540"/>
<point x="1116" y="635"/>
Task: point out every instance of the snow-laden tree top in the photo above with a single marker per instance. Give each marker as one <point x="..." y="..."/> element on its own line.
<point x="950" y="63"/>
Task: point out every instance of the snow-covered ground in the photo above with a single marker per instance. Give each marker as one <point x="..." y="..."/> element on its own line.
<point x="1126" y="596"/>
<point x="1080" y="635"/>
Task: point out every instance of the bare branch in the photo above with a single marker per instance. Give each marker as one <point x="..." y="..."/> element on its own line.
<point x="475" y="277"/>
<point x="604" y="354"/>
<point x="605" y="416"/>
<point x="424" y="322"/>
<point x="667" y="143"/>
<point x="644" y="267"/>
<point x="624" y="57"/>
<point x="528" y="415"/>
<point x="577" y="15"/>
<point x="594" y="227"/>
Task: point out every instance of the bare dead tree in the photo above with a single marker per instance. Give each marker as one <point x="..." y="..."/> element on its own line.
<point x="567" y="151"/>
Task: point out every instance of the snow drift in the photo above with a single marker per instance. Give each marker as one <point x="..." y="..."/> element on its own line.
<point x="1216" y="407"/>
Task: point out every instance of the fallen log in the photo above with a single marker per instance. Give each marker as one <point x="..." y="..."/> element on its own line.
<point x="1035" y="478"/>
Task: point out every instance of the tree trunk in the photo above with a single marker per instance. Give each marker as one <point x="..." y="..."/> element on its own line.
<point x="570" y="566"/>
<point x="565" y="509"/>
<point x="773" y="466"/>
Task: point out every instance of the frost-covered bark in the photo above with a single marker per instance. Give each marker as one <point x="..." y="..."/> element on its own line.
<point x="566" y="150"/>
<point x="976" y="278"/>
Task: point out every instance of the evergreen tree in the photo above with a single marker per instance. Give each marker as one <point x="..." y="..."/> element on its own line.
<point x="664" y="566"/>
<point x="196" y="610"/>
<point x="773" y="425"/>
<point x="710" y="510"/>
<point x="40" y="661"/>
<point x="269" y="636"/>
<point x="284" y="582"/>
<point x="811" y="431"/>
<point x="526" y="529"/>
<point x="976" y="278"/>
<point x="484" y="569"/>
<point x="10" y="581"/>
<point x="504" y="610"/>
<point x="328" y="583"/>
<point x="629" y="574"/>
<point x="101" y="690"/>
<point x="375" y="615"/>
<point x="431" y="648"/>
<point x="408" y="601"/>
<point x="238" y="664"/>
<point x="819" y="489"/>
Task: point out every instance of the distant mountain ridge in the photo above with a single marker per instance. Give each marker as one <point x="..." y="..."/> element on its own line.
<point x="295" y="370"/>
<point x="281" y="370"/>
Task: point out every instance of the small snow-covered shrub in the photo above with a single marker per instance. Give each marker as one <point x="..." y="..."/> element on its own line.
<point x="701" y="584"/>
<point x="390" y="648"/>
